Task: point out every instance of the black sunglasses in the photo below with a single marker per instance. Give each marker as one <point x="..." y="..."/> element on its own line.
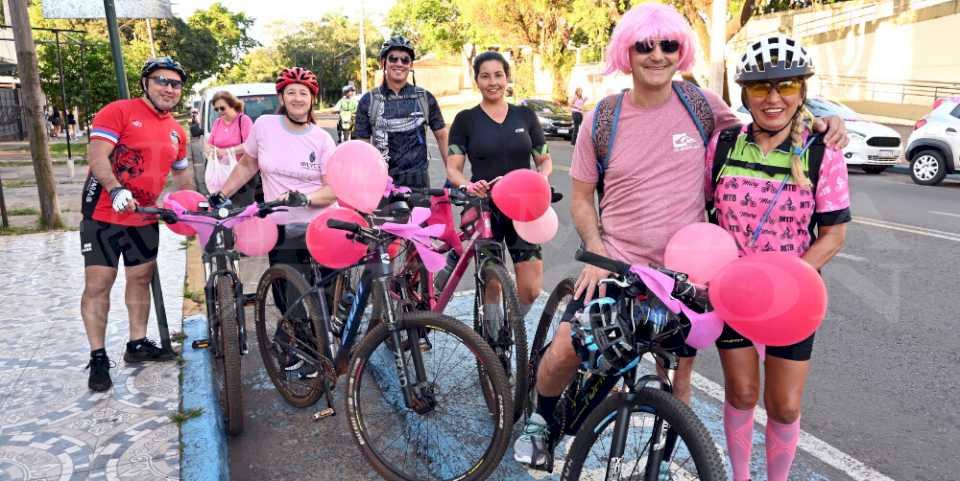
<point x="395" y="59"/>
<point x="666" y="46"/>
<point x="219" y="109"/>
<point x="165" y="82"/>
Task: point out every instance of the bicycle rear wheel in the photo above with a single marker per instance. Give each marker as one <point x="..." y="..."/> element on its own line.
<point x="451" y="433"/>
<point x="692" y="454"/>
<point x="556" y="304"/>
<point x="227" y="354"/>
<point x="506" y="335"/>
<point x="289" y="332"/>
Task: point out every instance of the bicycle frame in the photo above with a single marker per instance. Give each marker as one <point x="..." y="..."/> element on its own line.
<point x="218" y="261"/>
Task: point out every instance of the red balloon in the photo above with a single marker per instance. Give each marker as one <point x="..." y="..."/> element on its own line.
<point x="331" y="247"/>
<point x="770" y="298"/>
<point x="522" y="195"/>
<point x="188" y="199"/>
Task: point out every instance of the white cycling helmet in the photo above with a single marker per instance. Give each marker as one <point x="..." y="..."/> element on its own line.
<point x="773" y="58"/>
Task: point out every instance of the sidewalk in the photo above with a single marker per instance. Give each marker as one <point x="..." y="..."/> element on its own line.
<point x="51" y="425"/>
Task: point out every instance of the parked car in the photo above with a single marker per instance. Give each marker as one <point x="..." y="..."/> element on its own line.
<point x="555" y="119"/>
<point x="934" y="146"/>
<point x="873" y="147"/>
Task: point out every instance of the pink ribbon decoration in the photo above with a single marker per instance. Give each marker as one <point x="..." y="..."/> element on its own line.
<point x="393" y="189"/>
<point x="704" y="328"/>
<point x="204" y="225"/>
<point x="421" y="237"/>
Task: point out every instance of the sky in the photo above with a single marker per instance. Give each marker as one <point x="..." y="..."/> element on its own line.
<point x="266" y="12"/>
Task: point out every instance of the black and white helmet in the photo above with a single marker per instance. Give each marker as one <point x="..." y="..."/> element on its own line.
<point x="773" y="58"/>
<point x="603" y="340"/>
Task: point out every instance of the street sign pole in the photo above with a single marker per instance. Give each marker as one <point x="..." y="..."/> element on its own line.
<point x="110" y="12"/>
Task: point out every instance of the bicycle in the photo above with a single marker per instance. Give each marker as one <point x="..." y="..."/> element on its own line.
<point x="223" y="293"/>
<point x="608" y="414"/>
<point x="412" y="282"/>
<point x="395" y="392"/>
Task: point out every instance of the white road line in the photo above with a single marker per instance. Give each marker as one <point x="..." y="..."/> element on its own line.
<point x="808" y="442"/>
<point x="851" y="257"/>
<point x="944" y="213"/>
<point x="939" y="234"/>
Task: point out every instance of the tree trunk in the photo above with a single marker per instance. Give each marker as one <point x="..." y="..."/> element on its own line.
<point x="33" y="110"/>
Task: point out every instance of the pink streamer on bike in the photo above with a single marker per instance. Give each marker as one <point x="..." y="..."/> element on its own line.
<point x="204" y="225"/>
<point x="704" y="328"/>
<point x="393" y="189"/>
<point x="421" y="237"/>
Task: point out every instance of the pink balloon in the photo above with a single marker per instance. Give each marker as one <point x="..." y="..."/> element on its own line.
<point x="539" y="230"/>
<point x="700" y="250"/>
<point x="331" y="247"/>
<point x="358" y="175"/>
<point x="771" y="298"/>
<point x="255" y="236"/>
<point x="522" y="195"/>
<point x="188" y="199"/>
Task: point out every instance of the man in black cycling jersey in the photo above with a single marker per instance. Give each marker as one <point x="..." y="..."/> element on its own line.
<point x="395" y="117"/>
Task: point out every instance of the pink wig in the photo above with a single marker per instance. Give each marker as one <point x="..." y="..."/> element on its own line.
<point x="649" y="21"/>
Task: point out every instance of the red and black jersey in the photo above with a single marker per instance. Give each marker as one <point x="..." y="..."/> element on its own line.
<point x="146" y="145"/>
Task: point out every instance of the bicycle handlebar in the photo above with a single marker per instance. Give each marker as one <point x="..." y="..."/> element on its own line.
<point x="683" y="290"/>
<point x="342" y="225"/>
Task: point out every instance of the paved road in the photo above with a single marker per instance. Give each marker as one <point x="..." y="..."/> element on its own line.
<point x="876" y="407"/>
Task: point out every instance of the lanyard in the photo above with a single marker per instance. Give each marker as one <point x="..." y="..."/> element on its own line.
<point x="773" y="203"/>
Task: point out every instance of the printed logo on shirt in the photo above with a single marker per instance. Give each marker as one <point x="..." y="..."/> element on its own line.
<point x="682" y="142"/>
<point x="518" y="131"/>
<point x="136" y="123"/>
<point x="311" y="162"/>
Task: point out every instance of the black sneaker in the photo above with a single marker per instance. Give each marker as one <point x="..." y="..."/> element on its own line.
<point x="99" y="367"/>
<point x="146" y="350"/>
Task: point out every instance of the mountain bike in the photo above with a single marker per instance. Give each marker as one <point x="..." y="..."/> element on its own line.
<point x="223" y="293"/>
<point x="623" y="427"/>
<point x="414" y="415"/>
<point x="505" y="333"/>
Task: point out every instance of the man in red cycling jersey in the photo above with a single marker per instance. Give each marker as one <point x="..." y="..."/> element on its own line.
<point x="134" y="145"/>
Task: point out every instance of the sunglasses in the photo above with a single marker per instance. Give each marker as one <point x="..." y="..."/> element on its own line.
<point x="165" y="82"/>
<point x="786" y="88"/>
<point x="219" y="109"/>
<point x="403" y="59"/>
<point x="666" y="46"/>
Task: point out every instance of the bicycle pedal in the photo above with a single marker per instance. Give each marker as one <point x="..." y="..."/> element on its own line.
<point x="324" y="413"/>
<point x="201" y="344"/>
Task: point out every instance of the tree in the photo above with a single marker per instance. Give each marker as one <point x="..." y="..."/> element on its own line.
<point x="229" y="30"/>
<point x="36" y="123"/>
<point x="433" y="25"/>
<point x="259" y="65"/>
<point x="88" y="84"/>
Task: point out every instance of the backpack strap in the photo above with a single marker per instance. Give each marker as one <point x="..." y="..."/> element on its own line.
<point x="376" y="101"/>
<point x="698" y="107"/>
<point x="606" y="116"/>
<point x="725" y="143"/>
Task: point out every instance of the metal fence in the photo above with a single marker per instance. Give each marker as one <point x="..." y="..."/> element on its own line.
<point x="903" y="92"/>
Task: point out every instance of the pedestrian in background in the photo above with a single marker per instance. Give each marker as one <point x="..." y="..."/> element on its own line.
<point x="577" y="104"/>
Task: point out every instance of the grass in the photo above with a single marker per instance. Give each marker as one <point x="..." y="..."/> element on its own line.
<point x="181" y="417"/>
<point x="77" y="149"/>
<point x="20" y="230"/>
<point x="23" y="211"/>
<point x="178" y="337"/>
<point x="195" y="296"/>
<point x="18" y="183"/>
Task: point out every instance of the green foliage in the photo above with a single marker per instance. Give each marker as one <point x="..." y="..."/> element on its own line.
<point x="229" y="30"/>
<point x="432" y="25"/>
<point x="259" y="65"/>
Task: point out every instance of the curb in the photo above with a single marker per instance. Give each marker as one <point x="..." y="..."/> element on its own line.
<point x="204" y="456"/>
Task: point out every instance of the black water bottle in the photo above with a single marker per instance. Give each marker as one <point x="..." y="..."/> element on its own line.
<point x="440" y="281"/>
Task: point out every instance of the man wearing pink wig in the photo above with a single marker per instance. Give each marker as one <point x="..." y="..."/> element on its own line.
<point x="651" y="185"/>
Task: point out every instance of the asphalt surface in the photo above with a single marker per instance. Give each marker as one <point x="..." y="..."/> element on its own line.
<point x="880" y="400"/>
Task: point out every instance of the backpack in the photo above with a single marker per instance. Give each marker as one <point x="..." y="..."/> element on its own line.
<point x="606" y="116"/>
<point x="377" y="99"/>
<point x="726" y="142"/>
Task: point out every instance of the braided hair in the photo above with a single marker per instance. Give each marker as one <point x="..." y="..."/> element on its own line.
<point x="802" y="120"/>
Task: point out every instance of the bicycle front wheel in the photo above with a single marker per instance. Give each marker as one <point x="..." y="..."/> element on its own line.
<point x="227" y="356"/>
<point x="505" y="330"/>
<point x="664" y="439"/>
<point x="447" y="432"/>
<point x="549" y="322"/>
<point x="290" y="335"/>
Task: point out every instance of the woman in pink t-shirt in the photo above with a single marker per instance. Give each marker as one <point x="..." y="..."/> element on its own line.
<point x="228" y="134"/>
<point x="766" y="198"/>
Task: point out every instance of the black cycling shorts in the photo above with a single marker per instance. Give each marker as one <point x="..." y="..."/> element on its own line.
<point x="102" y="244"/>
<point x="503" y="231"/>
<point x="801" y="351"/>
<point x="675" y="343"/>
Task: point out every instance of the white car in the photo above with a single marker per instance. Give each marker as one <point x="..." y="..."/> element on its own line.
<point x="934" y="146"/>
<point x="873" y="147"/>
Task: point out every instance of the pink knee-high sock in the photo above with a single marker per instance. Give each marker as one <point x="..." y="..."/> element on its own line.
<point x="781" y="447"/>
<point x="738" y="428"/>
